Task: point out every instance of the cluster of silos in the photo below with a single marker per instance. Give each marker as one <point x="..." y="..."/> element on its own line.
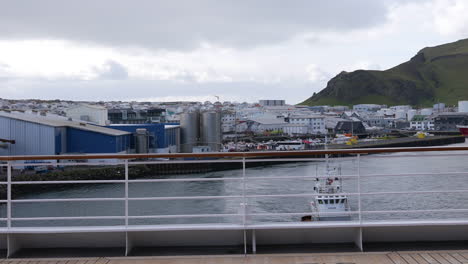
<point x="210" y="130"/>
<point x="189" y="131"/>
<point x="200" y="129"/>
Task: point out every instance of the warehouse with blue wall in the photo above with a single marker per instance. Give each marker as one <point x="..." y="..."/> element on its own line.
<point x="35" y="135"/>
<point x="162" y="137"/>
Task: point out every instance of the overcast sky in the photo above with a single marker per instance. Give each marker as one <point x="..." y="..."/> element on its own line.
<point x="193" y="50"/>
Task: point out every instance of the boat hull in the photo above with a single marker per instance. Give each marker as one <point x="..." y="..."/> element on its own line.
<point x="463" y="130"/>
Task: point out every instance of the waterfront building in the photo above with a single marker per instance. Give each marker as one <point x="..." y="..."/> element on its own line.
<point x="448" y="121"/>
<point x="161" y="138"/>
<point x="88" y="113"/>
<point x="350" y="127"/>
<point x="136" y="116"/>
<point x="266" y="124"/>
<point x="315" y="124"/>
<point x="37" y="135"/>
<point x="421" y="122"/>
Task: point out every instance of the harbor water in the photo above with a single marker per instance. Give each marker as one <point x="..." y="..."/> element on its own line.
<point x="435" y="173"/>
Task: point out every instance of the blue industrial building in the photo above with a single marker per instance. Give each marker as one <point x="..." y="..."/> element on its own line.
<point x="163" y="138"/>
<point x="36" y="135"/>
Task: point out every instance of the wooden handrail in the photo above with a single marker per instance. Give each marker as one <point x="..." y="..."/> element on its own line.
<point x="232" y="154"/>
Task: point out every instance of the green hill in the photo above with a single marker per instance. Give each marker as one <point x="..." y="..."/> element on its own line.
<point x="435" y="74"/>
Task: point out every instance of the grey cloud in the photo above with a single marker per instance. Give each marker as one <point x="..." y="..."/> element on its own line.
<point x="181" y="24"/>
<point x="112" y="71"/>
<point x="3" y="71"/>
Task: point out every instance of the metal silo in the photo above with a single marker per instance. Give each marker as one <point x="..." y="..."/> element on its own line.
<point x="189" y="129"/>
<point x="211" y="130"/>
<point x="142" y="140"/>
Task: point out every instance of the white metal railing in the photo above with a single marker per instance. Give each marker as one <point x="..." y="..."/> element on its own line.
<point x="244" y="215"/>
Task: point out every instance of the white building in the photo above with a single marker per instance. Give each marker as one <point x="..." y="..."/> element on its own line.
<point x="293" y="130"/>
<point x="314" y="123"/>
<point x="89" y="113"/>
<point x="401" y="108"/>
<point x="366" y="107"/>
<point x="420" y="122"/>
<point x="272" y="102"/>
<point x="260" y="125"/>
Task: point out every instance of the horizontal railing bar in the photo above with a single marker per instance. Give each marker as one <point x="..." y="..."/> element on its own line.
<point x="67" y="182"/>
<point x="67" y="200"/>
<point x="291" y="160"/>
<point x="300" y="195"/>
<point x="183" y="216"/>
<point x="231" y="196"/>
<point x="64" y="164"/>
<point x="415" y="211"/>
<point x="306" y="213"/>
<point x="233" y="154"/>
<point x="183" y="198"/>
<point x="228" y="215"/>
<point x="186" y="180"/>
<point x="68" y="218"/>
<point x="414" y="156"/>
<point x="233" y="178"/>
<point x="298" y="177"/>
<point x="185" y="161"/>
<point x="416" y="192"/>
<point x="415" y="174"/>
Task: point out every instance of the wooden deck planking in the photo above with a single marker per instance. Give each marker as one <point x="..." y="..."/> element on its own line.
<point x="396" y="258"/>
<point x="417" y="257"/>
<point x="449" y="258"/>
<point x="439" y="258"/>
<point x="459" y="258"/>
<point x="429" y="259"/>
<point x="409" y="259"/>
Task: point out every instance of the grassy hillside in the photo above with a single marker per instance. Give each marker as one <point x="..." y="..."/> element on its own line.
<point x="435" y="74"/>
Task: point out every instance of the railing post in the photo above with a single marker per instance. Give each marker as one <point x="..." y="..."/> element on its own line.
<point x="359" y="186"/>
<point x="126" y="192"/>
<point x="244" y="205"/>
<point x="244" y="202"/>
<point x="9" y="194"/>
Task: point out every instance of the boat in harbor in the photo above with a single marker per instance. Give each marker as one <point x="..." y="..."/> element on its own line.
<point x="330" y="204"/>
<point x="463" y="130"/>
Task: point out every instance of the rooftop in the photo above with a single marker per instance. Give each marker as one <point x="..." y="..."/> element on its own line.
<point x="37" y="119"/>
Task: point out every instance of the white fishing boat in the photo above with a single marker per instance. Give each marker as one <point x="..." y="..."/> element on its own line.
<point x="331" y="204"/>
